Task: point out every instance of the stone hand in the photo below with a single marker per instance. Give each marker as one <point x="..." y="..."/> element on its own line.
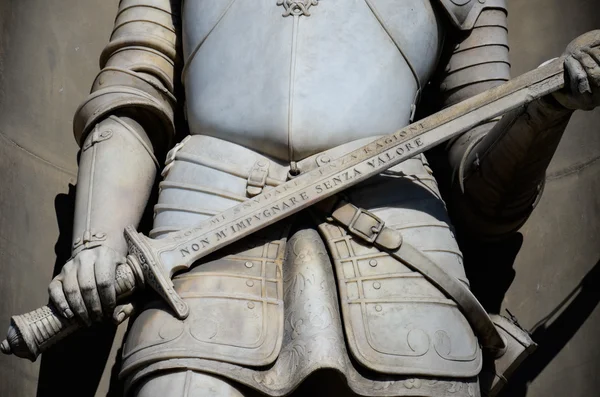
<point x="582" y="73"/>
<point x="86" y="285"/>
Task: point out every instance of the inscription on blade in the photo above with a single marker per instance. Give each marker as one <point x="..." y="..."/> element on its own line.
<point x="181" y="249"/>
<point x="291" y="197"/>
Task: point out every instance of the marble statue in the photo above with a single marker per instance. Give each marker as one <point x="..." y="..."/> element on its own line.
<point x="275" y="89"/>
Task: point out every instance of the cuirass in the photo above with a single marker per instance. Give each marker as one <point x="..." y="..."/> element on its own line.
<point x="268" y="82"/>
<point x="293" y="78"/>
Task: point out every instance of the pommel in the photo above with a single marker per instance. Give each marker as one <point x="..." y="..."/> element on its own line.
<point x="5" y="347"/>
<point x="17" y="345"/>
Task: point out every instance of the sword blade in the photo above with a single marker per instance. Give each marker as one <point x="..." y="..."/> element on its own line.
<point x="179" y="250"/>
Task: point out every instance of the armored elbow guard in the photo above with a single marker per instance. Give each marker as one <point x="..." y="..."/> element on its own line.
<point x="138" y="69"/>
<point x="464" y="13"/>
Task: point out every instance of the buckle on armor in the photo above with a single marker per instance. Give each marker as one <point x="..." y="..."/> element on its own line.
<point x="257" y="179"/>
<point x="364" y="228"/>
<point x="97" y="136"/>
<point x="88" y="240"/>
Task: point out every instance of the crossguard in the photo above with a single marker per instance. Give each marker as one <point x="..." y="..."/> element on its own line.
<point x="154" y="275"/>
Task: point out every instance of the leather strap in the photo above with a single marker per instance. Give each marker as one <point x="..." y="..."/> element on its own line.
<point x="257" y="178"/>
<point x="372" y="230"/>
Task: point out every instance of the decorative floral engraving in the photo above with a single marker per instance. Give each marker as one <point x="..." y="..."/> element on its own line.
<point x="412" y="383"/>
<point x="471" y="390"/>
<point x="297" y="7"/>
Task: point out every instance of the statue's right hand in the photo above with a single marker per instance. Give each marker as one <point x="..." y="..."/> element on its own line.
<point x="86" y="285"/>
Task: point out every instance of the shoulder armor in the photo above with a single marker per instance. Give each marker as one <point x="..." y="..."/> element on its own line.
<point x="464" y="13"/>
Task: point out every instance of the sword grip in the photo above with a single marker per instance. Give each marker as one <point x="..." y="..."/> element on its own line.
<point x="32" y="333"/>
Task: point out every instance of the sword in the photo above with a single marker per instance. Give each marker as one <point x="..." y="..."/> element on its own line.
<point x="154" y="262"/>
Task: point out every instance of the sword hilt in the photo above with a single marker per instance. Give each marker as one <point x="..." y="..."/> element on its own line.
<point x="32" y="333"/>
<point x="155" y="276"/>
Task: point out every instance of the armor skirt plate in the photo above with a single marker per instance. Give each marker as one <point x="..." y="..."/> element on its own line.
<point x="267" y="314"/>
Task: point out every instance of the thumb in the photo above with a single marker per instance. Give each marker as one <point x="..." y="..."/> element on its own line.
<point x="122" y="313"/>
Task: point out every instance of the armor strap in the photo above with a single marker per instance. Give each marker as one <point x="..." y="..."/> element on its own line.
<point x="257" y="178"/>
<point x="372" y="230"/>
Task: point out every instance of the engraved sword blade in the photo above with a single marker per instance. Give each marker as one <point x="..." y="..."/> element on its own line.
<point x="179" y="250"/>
<point x="153" y="262"/>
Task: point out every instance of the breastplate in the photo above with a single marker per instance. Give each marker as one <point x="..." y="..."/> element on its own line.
<point x="292" y="78"/>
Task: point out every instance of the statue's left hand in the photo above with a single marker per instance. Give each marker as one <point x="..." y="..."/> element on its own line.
<point x="582" y="73"/>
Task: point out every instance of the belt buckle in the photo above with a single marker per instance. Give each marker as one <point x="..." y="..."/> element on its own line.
<point x="375" y="230"/>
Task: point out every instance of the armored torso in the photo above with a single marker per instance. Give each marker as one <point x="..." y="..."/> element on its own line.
<point x="293" y="78"/>
<point x="273" y="82"/>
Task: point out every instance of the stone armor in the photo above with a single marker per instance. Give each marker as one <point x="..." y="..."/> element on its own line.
<point x="273" y="89"/>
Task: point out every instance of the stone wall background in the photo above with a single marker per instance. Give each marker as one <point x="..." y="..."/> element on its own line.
<point x="558" y="265"/>
<point x="547" y="276"/>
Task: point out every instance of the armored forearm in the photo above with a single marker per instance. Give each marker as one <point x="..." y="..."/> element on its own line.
<point x="125" y="123"/>
<point x="499" y="174"/>
<point x="498" y="168"/>
<point x="117" y="169"/>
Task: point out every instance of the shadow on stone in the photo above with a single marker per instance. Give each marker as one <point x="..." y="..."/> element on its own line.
<point x="489" y="267"/>
<point x="554" y="331"/>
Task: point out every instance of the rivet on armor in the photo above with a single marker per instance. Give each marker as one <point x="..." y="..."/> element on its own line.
<point x="294" y="170"/>
<point x="250" y="283"/>
<point x="377" y="285"/>
<point x="249" y="264"/>
<point x="323" y="159"/>
<point x="250" y="305"/>
<point x="482" y="1"/>
<point x="378" y="308"/>
<point x="443" y="87"/>
<point x="373" y="262"/>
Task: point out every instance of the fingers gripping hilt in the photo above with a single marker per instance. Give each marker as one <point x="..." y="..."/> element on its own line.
<point x="30" y="334"/>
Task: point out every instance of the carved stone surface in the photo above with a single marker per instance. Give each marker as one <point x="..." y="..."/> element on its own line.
<point x="313" y="339"/>
<point x="29" y="209"/>
<point x="297" y="7"/>
<point x="257" y="318"/>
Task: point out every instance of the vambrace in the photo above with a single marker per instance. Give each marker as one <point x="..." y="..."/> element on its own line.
<point x="499" y="175"/>
<point x="117" y="170"/>
<point x="138" y="71"/>
<point x="497" y="167"/>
